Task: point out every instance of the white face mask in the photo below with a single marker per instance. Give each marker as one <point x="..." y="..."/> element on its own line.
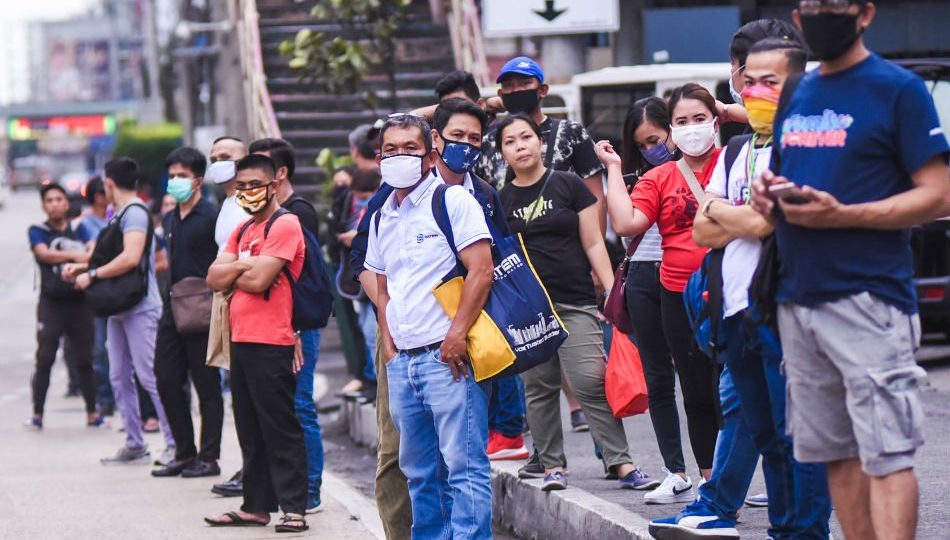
<point x="694" y="140"/>
<point x="220" y="172"/>
<point x="402" y="170"/>
<point x="736" y="95"/>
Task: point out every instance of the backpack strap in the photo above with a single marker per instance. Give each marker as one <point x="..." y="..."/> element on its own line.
<point x="247" y="225"/>
<point x="149" y="234"/>
<point x="784" y="99"/>
<point x="731" y="153"/>
<point x="441" y="215"/>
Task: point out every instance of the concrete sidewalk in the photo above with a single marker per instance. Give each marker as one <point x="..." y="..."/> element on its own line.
<point x="52" y="485"/>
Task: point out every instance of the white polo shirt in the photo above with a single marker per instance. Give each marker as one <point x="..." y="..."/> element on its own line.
<point x="414" y="255"/>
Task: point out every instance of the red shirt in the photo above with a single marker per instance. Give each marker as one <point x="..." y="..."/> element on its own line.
<point x="255" y="319"/>
<point x="663" y="195"/>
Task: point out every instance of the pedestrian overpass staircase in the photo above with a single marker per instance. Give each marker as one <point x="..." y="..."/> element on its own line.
<point x="312" y="119"/>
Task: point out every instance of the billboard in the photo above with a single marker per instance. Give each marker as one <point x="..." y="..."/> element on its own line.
<point x="79" y="70"/>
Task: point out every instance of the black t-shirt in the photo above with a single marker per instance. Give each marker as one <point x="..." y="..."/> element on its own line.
<point x="52" y="286"/>
<point x="191" y="244"/>
<point x="305" y="213"/>
<point x="552" y="233"/>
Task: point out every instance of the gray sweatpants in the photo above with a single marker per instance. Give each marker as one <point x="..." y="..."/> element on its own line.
<point x="852" y="382"/>
<point x="581" y="358"/>
<point x="131" y="344"/>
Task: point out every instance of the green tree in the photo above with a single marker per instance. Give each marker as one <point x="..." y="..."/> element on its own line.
<point x="148" y="145"/>
<point x="367" y="42"/>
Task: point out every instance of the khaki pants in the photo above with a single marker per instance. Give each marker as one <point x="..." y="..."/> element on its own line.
<point x="581" y="359"/>
<point x="392" y="489"/>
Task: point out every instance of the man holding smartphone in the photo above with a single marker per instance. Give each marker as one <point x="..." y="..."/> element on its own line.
<point x="862" y="139"/>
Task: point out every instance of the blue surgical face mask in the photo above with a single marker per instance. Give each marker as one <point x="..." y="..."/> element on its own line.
<point x="460" y="157"/>
<point x="179" y="188"/>
<point x="658" y="154"/>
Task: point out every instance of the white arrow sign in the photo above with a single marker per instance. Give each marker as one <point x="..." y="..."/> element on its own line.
<point x="509" y="18"/>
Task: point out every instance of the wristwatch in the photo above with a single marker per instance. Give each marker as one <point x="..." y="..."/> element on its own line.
<point x="93" y="275"/>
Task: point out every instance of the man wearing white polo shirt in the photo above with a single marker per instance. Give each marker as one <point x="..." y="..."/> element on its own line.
<point x="439" y="409"/>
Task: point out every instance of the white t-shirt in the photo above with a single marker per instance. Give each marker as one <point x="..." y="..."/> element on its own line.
<point x="229" y="218"/>
<point x="742" y="254"/>
<point x="414" y="255"/>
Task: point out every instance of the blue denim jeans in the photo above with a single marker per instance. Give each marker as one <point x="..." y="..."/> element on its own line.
<point x="799" y="503"/>
<point x="443" y="427"/>
<point x="307" y="415"/>
<point x="367" y="322"/>
<point x="506" y="407"/>
<point x="100" y="364"/>
<point x="735" y="458"/>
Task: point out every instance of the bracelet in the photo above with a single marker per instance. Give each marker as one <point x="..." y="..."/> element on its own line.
<point x="725" y="112"/>
<point x="705" y="210"/>
<point x="93" y="274"/>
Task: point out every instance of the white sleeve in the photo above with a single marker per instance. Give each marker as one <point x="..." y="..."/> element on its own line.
<point x="717" y="182"/>
<point x="374" y="258"/>
<point x="466" y="216"/>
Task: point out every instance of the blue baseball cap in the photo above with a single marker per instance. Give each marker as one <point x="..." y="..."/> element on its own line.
<point x="521" y="65"/>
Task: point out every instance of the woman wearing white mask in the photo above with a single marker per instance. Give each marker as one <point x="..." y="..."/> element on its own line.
<point x="666" y="197"/>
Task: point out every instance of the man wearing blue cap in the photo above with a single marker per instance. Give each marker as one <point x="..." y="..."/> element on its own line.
<point x="522" y="89"/>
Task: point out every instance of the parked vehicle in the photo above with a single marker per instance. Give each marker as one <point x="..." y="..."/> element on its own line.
<point x="931" y="242"/>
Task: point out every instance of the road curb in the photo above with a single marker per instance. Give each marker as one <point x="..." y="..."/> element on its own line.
<point x="521" y="507"/>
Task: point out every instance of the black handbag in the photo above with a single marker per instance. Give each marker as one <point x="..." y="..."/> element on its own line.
<point x="110" y="296"/>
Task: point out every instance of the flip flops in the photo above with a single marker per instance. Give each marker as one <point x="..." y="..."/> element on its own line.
<point x="291" y="523"/>
<point x="236" y="521"/>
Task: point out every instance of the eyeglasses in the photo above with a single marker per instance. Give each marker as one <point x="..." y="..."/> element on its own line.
<point x="814" y="7"/>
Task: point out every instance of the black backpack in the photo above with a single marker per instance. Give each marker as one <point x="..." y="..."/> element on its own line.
<point x="765" y="280"/>
<point x="110" y="296"/>
<point x="312" y="299"/>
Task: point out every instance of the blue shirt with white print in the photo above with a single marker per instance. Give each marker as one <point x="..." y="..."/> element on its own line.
<point x="858" y="134"/>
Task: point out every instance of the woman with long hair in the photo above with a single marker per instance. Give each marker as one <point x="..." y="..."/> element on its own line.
<point x="665" y="197"/>
<point x="557" y="217"/>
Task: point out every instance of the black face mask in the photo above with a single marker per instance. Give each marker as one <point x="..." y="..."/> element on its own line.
<point x="830" y="35"/>
<point x="522" y="101"/>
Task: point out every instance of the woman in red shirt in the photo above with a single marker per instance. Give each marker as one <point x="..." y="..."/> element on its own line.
<point x="665" y="197"/>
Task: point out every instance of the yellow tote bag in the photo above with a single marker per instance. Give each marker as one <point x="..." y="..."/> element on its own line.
<point x="488" y="350"/>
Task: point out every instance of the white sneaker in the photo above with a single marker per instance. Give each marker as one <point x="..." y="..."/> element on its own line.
<point x="168" y="456"/>
<point x="673" y="490"/>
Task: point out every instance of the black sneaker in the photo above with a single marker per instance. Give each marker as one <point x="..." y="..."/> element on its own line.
<point x="579" y="421"/>
<point x="532" y="469"/>
<point x="200" y="469"/>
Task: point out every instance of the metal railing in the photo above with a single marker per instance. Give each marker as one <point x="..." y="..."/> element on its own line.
<point x="465" y="28"/>
<point x="262" y="122"/>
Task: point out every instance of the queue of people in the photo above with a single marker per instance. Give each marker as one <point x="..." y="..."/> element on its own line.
<point x="798" y="225"/>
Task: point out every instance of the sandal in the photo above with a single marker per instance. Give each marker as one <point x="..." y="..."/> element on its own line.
<point x="236" y="521"/>
<point x="291" y="523"/>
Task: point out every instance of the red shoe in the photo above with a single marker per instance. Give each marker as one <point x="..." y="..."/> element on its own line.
<point x="505" y="448"/>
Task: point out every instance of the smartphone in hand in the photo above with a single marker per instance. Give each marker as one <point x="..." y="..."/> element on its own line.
<point x="789" y="192"/>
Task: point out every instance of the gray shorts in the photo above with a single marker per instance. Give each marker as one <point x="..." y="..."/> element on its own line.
<point x="852" y="382"/>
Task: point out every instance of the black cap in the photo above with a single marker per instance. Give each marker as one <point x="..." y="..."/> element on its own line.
<point x="751" y="33"/>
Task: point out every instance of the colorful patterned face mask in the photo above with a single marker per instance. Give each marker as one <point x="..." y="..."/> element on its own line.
<point x="253" y="200"/>
<point x="761" y="102"/>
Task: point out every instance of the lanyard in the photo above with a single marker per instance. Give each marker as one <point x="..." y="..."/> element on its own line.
<point x="750" y="166"/>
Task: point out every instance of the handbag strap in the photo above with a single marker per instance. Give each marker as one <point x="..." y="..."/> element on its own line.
<point x="690" y="177"/>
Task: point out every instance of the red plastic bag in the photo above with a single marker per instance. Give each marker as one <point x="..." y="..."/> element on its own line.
<point x="625" y="384"/>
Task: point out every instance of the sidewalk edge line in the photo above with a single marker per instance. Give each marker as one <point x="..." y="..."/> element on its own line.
<point x="358" y="505"/>
<point x="520" y="506"/>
